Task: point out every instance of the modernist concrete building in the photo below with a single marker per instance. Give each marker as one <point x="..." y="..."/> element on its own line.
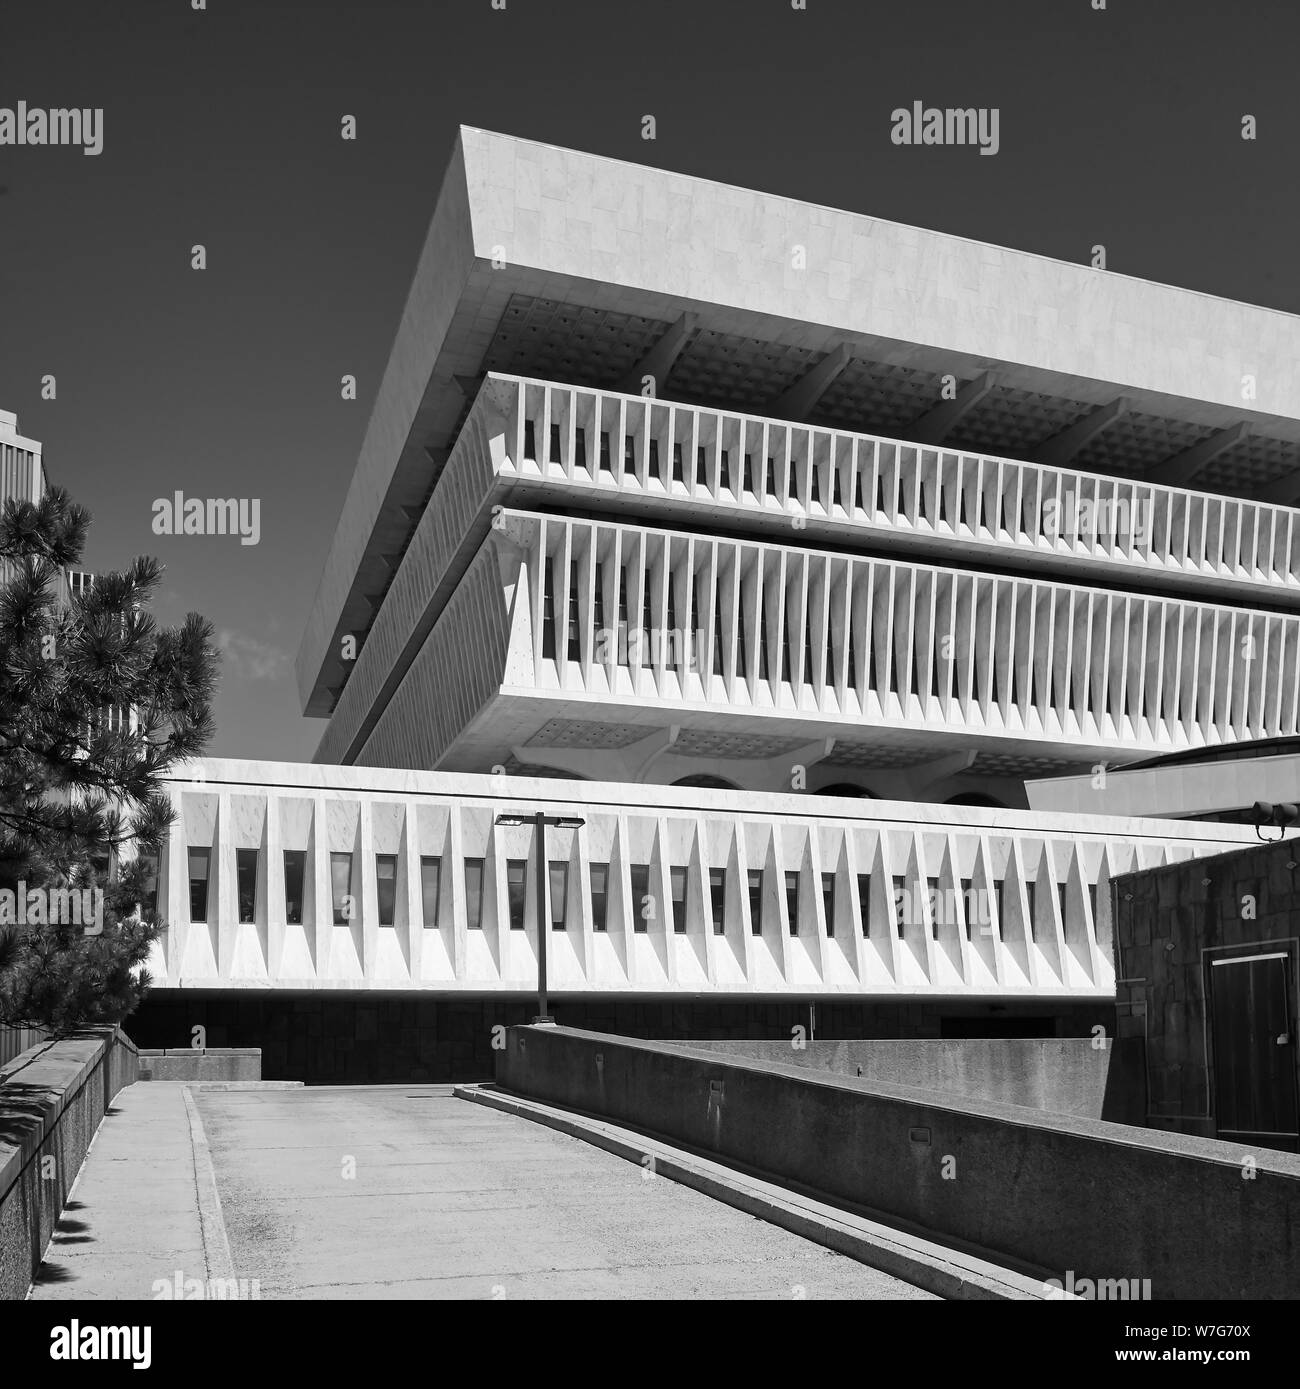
<point x="778" y="546"/>
<point x="669" y="480"/>
<point x="366" y="923"/>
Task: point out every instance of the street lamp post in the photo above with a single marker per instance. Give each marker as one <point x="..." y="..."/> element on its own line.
<point x="541" y="820"/>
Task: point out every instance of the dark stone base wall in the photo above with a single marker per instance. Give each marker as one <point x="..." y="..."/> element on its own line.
<point x="338" y="1038"/>
<point x="1169" y="922"/>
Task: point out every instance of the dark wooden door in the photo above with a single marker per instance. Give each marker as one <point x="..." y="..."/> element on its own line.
<point x="1254" y="1050"/>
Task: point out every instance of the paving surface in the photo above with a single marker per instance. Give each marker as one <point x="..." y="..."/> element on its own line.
<point x="132" y="1218"/>
<point x="407" y="1192"/>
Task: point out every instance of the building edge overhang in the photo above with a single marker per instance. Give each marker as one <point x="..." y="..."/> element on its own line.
<point x="1161" y="341"/>
<point x="201" y="775"/>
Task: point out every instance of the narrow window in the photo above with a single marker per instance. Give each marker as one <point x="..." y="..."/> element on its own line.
<point x="516" y="890"/>
<point x="606" y="463"/>
<point x="622" y="616"/>
<point x="246" y="875"/>
<point x="828" y="901"/>
<point x="599" y="895"/>
<point x="677" y="463"/>
<point x="792" y="901"/>
<point x="341" y="887"/>
<point x="386" y="886"/>
<point x="530" y="440"/>
<point x="573" y="649"/>
<point x="200" y="863"/>
<point x="1029" y="893"/>
<point x="295" y="870"/>
<point x="1092" y="901"/>
<point x="548" y="611"/>
<point x="762" y="633"/>
<point x="970" y="906"/>
<point x="649" y="654"/>
<point x="598" y="607"/>
<point x="474" y="894"/>
<point x="642" y="902"/>
<point x="559" y="895"/>
<point x="677" y="877"/>
<point x="937" y="911"/>
<point x="900" y="905"/>
<point x="701" y="467"/>
<point x="717" y="630"/>
<point x="718" y="899"/>
<point x="629" y="457"/>
<point x="430" y="890"/>
<point x="756" y="901"/>
<point x="555" y="443"/>
<point x="725" y="477"/>
<point x="654" y="458"/>
<point x="747" y="474"/>
<point x="150" y="862"/>
<point x="864" y="903"/>
<point x="580" y="439"/>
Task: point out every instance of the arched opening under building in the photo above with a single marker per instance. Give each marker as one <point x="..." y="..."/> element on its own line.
<point x="705" y="782"/>
<point x="976" y="798"/>
<point x="845" y="788"/>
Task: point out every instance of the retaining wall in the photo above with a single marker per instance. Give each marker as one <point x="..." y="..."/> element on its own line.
<point x="52" y="1100"/>
<point x="1081" y="1196"/>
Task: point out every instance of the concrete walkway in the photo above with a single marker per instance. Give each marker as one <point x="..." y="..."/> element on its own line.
<point x="406" y="1192"/>
<point x="134" y="1214"/>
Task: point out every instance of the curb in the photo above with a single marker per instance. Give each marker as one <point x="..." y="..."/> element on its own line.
<point x="934" y="1267"/>
<point x="216" y="1247"/>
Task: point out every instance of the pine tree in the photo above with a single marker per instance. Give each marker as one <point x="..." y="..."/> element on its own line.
<point x="78" y="780"/>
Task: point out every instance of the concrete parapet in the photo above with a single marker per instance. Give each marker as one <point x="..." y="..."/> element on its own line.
<point x="52" y="1099"/>
<point x="1089" y="1199"/>
<point x="207" y="1064"/>
<point x="1102" y="1079"/>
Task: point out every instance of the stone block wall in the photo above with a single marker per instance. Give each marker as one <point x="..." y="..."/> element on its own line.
<point x="340" y="1038"/>
<point x="1170" y="923"/>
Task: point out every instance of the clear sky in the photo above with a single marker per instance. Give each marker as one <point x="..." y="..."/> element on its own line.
<point x="222" y="128"/>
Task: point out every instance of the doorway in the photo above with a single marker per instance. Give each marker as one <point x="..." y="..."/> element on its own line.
<point x="1253" y="1030"/>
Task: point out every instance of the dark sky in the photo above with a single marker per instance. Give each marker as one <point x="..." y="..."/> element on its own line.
<point x="1119" y="127"/>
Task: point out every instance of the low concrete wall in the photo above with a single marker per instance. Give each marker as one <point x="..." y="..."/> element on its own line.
<point x="52" y="1099"/>
<point x="1065" y="1075"/>
<point x="212" y="1063"/>
<point x="1078" y="1196"/>
<point x="16" y="1040"/>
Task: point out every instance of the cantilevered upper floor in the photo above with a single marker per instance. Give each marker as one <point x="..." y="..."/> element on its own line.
<point x="552" y="264"/>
